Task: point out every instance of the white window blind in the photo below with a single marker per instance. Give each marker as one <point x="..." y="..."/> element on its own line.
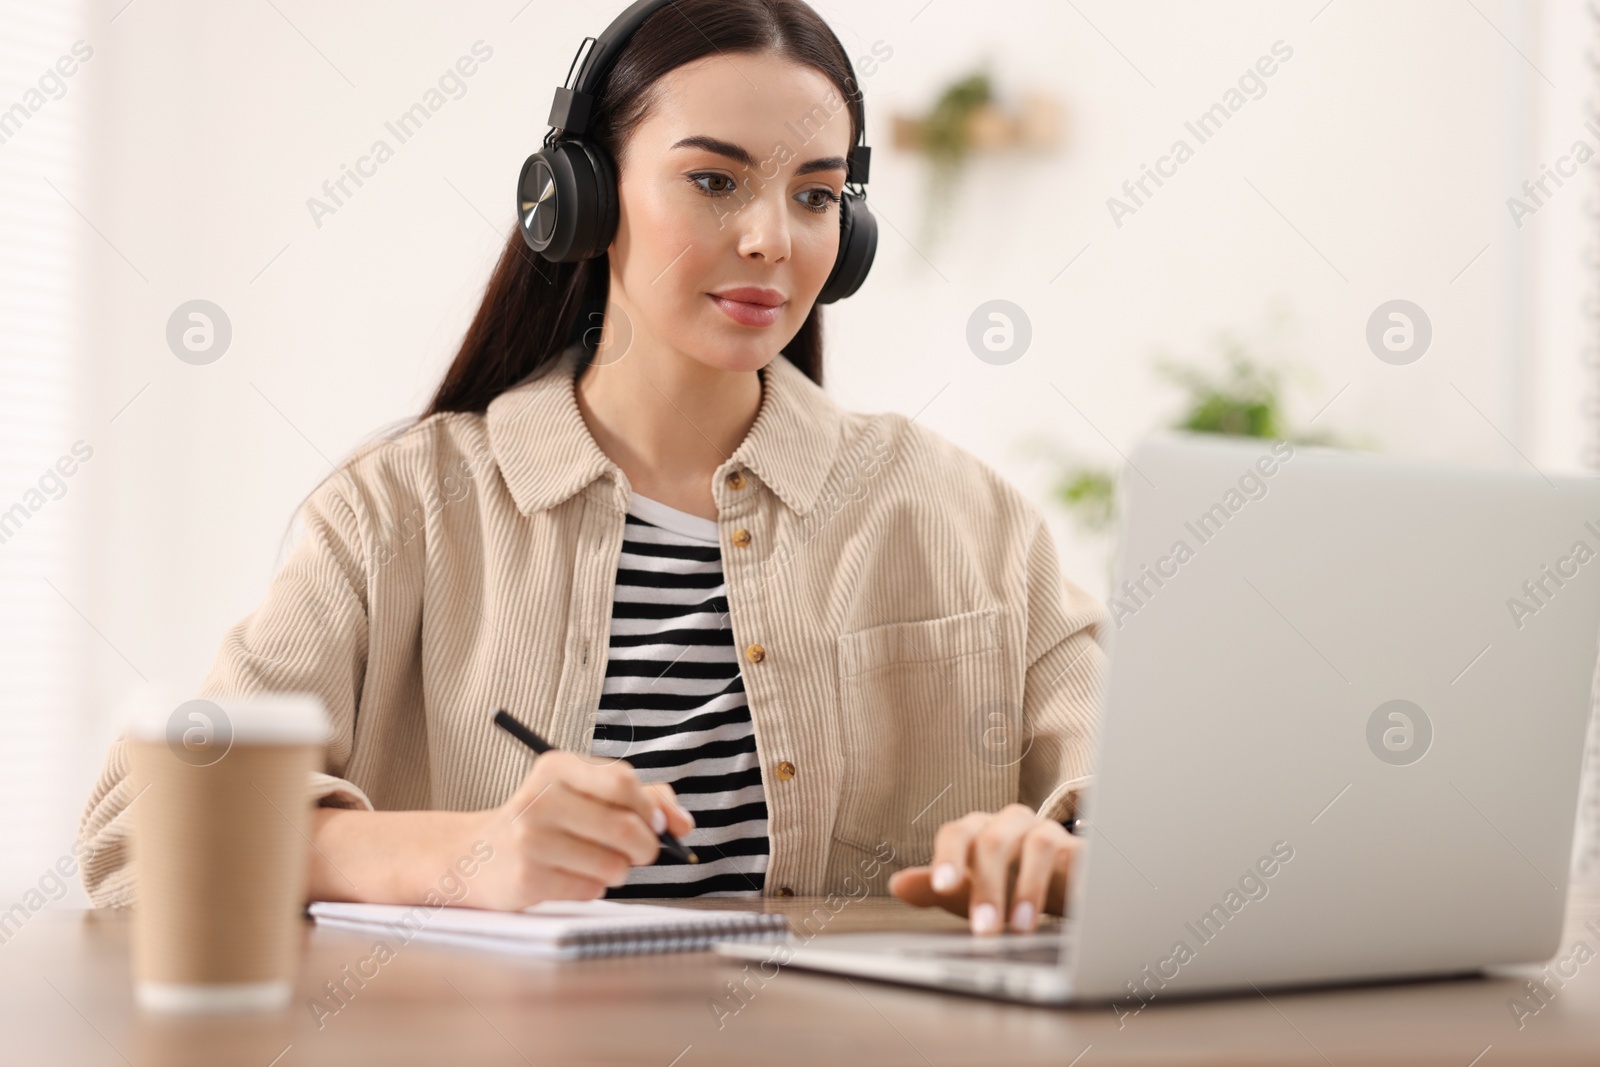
<point x="1587" y="852"/>
<point x="43" y="241"/>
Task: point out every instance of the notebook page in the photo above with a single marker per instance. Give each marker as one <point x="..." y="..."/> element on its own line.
<point x="565" y="927"/>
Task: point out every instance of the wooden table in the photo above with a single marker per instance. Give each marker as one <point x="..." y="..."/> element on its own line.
<point x="65" y="997"/>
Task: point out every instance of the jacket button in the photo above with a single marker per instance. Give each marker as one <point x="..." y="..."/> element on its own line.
<point x="741" y="537"/>
<point x="784" y="891"/>
<point x="756" y="653"/>
<point x="785" y="770"/>
<point x="735" y="479"/>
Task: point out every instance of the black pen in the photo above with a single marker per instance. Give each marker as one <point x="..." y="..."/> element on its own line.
<point x="511" y="726"/>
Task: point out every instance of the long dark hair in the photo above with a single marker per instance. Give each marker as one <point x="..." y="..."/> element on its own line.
<point x="531" y="307"/>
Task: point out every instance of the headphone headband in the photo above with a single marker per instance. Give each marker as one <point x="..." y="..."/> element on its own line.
<point x="572" y="109"/>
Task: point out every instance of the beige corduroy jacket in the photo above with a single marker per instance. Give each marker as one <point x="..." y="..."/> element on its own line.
<point x="910" y="649"/>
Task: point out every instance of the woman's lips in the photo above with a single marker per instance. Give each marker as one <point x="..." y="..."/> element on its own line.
<point x="747" y="314"/>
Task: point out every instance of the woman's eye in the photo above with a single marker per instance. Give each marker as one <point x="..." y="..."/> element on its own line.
<point x="696" y="179"/>
<point x="825" y="198"/>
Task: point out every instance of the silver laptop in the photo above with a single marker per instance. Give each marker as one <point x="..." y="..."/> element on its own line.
<point x="1343" y="734"/>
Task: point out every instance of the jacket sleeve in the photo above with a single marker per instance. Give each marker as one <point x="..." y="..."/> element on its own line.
<point x="1066" y="666"/>
<point x="308" y="635"/>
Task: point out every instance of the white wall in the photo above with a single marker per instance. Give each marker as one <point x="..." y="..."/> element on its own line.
<point x="1376" y="166"/>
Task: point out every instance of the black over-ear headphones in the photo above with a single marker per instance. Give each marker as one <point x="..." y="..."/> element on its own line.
<point x="567" y="193"/>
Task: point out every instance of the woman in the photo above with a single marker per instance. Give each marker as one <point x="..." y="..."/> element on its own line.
<point x="817" y="646"/>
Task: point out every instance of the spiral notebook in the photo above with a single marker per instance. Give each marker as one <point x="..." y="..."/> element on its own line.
<point x="559" y="928"/>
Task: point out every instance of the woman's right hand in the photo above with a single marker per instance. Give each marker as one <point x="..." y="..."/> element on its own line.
<point x="575" y="826"/>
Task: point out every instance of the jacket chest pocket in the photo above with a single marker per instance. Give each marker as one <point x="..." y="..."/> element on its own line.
<point x="920" y="704"/>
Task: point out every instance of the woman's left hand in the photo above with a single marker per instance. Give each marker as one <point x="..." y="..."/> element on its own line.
<point x="977" y="857"/>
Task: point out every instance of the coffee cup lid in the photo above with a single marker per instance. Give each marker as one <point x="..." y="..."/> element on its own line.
<point x="251" y="718"/>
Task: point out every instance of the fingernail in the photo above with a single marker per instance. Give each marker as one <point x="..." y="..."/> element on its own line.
<point x="658" y="821"/>
<point x="685" y="812"/>
<point x="984" y="919"/>
<point x="1022" y="915"/>
<point x="944" y="877"/>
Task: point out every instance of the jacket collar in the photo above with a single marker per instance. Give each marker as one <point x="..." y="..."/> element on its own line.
<point x="546" y="453"/>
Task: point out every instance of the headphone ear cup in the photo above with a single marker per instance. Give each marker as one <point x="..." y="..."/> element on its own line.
<point x="603" y="213"/>
<point x="567" y="201"/>
<point x="858" y="244"/>
<point x="539" y="201"/>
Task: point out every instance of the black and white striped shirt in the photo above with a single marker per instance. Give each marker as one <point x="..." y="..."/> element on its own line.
<point x="673" y="704"/>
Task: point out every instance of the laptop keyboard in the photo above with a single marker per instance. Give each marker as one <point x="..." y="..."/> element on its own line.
<point x="1011" y="950"/>
<point x="1050" y="954"/>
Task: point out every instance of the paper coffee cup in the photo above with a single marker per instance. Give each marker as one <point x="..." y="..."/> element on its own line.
<point x="221" y="825"/>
